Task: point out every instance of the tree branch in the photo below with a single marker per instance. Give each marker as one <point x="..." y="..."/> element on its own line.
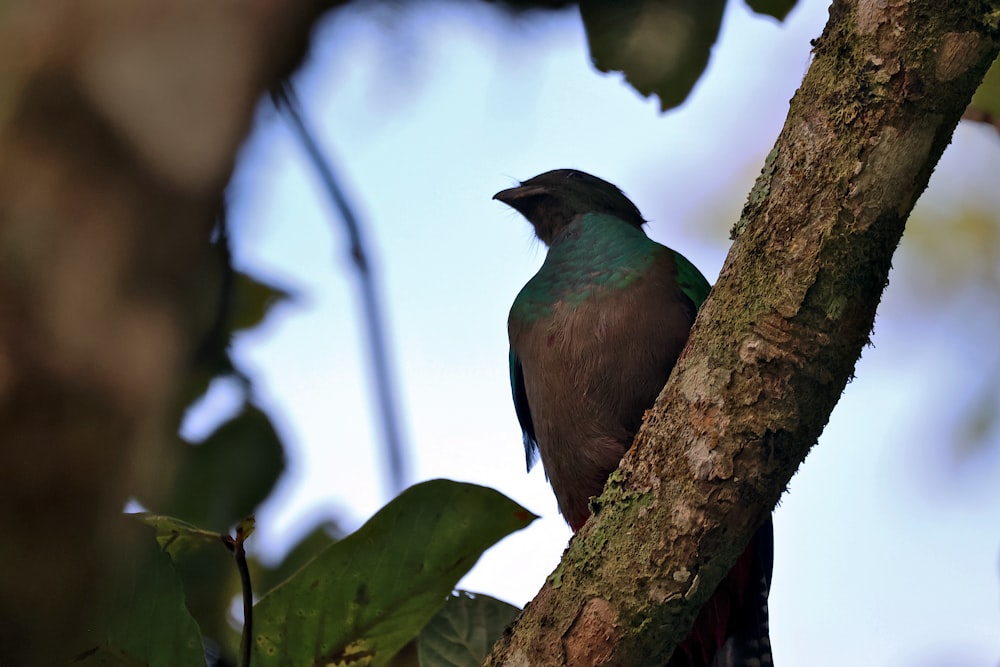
<point x="776" y="342"/>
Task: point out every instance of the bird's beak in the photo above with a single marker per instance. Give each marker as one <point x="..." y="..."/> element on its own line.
<point x="522" y="191"/>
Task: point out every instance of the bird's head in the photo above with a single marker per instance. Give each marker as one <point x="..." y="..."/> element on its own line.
<point x="550" y="201"/>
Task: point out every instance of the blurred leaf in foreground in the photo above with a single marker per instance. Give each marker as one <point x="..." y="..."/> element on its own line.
<point x="368" y="595"/>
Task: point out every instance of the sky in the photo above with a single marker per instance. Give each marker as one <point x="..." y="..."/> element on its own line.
<point x="887" y="541"/>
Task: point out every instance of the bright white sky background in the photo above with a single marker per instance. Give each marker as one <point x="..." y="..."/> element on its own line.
<point x="887" y="543"/>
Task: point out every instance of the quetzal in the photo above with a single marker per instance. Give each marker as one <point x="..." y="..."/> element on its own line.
<point x="593" y="338"/>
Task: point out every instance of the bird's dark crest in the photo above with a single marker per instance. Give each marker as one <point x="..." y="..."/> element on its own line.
<point x="550" y="201"/>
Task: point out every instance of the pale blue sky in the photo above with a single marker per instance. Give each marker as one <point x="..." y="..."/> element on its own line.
<point x="887" y="548"/>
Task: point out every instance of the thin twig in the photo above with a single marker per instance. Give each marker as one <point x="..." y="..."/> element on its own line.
<point x="236" y="545"/>
<point x="287" y="101"/>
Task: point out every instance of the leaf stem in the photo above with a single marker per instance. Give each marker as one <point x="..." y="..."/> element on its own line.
<point x="236" y="546"/>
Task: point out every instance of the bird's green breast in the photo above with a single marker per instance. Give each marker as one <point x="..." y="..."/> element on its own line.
<point x="593" y="255"/>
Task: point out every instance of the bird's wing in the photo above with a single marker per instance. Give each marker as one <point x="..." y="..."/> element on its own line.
<point x="691" y="281"/>
<point x="523" y="411"/>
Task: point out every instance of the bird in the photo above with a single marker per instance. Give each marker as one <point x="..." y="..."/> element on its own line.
<point x="594" y="335"/>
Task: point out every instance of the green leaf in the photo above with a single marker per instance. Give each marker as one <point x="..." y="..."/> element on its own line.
<point x="244" y="305"/>
<point x="987" y="97"/>
<point x="662" y="46"/>
<point x="462" y="633"/>
<point x="223" y="479"/>
<point x="252" y="300"/>
<point x="143" y="620"/>
<point x="321" y="537"/>
<point x="365" y="597"/>
<point x="175" y="536"/>
<point x="105" y="656"/>
<point x="777" y="8"/>
<point x="206" y="568"/>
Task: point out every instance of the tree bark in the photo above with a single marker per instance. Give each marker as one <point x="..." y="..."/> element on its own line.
<point x="119" y="124"/>
<point x="776" y="342"/>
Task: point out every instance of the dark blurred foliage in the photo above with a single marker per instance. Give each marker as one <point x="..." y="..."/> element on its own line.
<point x="949" y="279"/>
<point x="985" y="107"/>
<point x="662" y="47"/>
